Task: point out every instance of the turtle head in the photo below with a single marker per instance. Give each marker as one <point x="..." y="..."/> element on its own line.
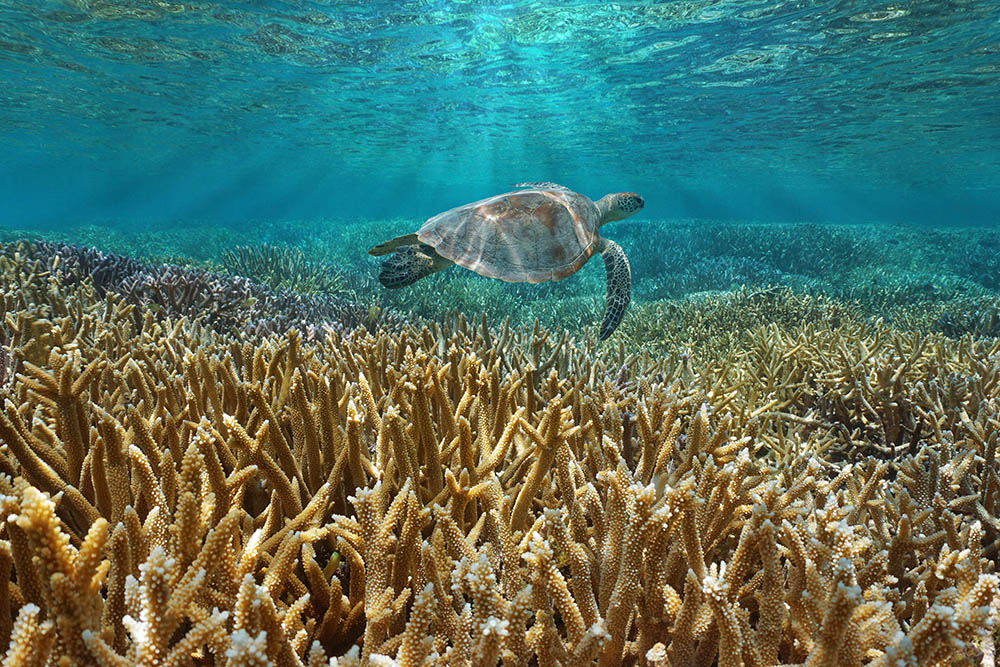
<point x="619" y="205"/>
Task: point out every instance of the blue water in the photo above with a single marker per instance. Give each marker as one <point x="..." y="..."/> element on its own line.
<point x="155" y="112"/>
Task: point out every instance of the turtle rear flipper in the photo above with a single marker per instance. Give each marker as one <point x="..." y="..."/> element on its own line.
<point x="389" y="246"/>
<point x="619" y="292"/>
<point x="410" y="264"/>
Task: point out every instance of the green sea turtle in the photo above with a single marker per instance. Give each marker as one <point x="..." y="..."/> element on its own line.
<point x="541" y="232"/>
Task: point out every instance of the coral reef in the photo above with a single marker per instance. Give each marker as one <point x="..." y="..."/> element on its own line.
<point x="713" y="273"/>
<point x="225" y="303"/>
<point x="457" y="493"/>
<point x="979" y="260"/>
<point x="979" y="318"/>
<point x="283" y="267"/>
<point x="915" y="278"/>
<point x="710" y="323"/>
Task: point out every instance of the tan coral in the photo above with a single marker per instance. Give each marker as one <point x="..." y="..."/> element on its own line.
<point x="457" y="494"/>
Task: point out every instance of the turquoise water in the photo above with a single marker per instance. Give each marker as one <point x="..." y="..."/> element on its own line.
<point x="153" y="112"/>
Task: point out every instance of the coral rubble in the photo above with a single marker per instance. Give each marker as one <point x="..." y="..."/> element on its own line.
<point x="456" y="493"/>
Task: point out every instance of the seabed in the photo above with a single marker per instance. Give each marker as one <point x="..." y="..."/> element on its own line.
<point x="242" y="451"/>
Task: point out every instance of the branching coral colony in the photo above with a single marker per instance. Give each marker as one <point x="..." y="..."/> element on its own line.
<point x="457" y="494"/>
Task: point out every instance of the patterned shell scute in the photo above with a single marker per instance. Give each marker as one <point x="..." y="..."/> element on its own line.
<point x="523" y="236"/>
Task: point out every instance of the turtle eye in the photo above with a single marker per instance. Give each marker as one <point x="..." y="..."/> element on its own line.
<point x="632" y="203"/>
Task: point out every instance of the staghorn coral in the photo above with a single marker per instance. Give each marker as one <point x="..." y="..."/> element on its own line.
<point x="466" y="494"/>
<point x="979" y="317"/>
<point x="224" y="303"/>
<point x="713" y="322"/>
<point x="712" y="273"/>
<point x="283" y="267"/>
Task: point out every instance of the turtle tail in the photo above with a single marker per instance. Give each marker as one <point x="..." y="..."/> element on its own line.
<point x="408" y="265"/>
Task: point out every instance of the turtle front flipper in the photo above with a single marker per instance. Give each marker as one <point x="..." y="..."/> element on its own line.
<point x="410" y="264"/>
<point x="392" y="244"/>
<point x="619" y="279"/>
